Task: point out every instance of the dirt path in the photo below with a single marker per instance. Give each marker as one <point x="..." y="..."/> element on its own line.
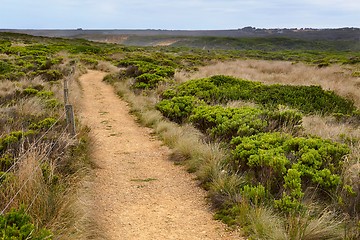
<point x="139" y="194"/>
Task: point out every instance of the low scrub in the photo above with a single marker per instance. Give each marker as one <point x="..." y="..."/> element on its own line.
<point x="222" y="89"/>
<point x="287" y="166"/>
<point x="18" y="225"/>
<point x="147" y="74"/>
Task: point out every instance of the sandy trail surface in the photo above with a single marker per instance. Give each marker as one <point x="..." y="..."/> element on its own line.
<point x="138" y="192"/>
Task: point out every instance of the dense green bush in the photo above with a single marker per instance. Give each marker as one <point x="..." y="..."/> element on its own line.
<point x="148" y="67"/>
<point x="9" y="139"/>
<point x="30" y="91"/>
<point x="45" y="94"/>
<point x="225" y="123"/>
<point x="203" y="89"/>
<point x="5" y="67"/>
<point x="43" y="124"/>
<point x="16" y="224"/>
<point x="221" y="89"/>
<point x="12" y="138"/>
<point x="148" y="80"/>
<point x="6" y="161"/>
<point x="309" y="99"/>
<point x="52" y="103"/>
<point x="85" y="48"/>
<point x="51" y="75"/>
<point x="288" y="165"/>
<point x="91" y="62"/>
<point x="178" y="108"/>
<point x="147" y="74"/>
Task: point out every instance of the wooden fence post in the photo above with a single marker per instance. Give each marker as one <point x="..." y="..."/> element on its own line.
<point x="70" y="120"/>
<point x="66" y="92"/>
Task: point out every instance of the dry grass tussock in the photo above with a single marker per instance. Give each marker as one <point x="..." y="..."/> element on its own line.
<point x="335" y="77"/>
<point x="23" y="108"/>
<point x="30" y="185"/>
<point x="329" y="128"/>
<point x="106" y="67"/>
<point x="49" y="177"/>
<point x="264" y="223"/>
<point x="10" y="87"/>
<point x="26" y="185"/>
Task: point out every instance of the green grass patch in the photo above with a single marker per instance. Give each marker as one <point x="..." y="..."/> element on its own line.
<point x="143" y="180"/>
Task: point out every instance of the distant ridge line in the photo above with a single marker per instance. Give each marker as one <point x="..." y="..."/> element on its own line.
<point x="348" y="33"/>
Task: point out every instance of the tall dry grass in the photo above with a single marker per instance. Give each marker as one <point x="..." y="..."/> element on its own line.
<point x="335" y="77"/>
<point x="50" y="177"/>
<point x="24" y="186"/>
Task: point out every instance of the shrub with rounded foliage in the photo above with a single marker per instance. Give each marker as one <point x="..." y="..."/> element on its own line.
<point x="286" y="165"/>
<point x="147" y="80"/>
<point x="178" y="108"/>
<point x="16" y="224"/>
<point x="225" y="123"/>
<point x="307" y="99"/>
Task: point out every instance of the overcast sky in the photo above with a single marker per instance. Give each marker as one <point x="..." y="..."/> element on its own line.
<point x="181" y="14"/>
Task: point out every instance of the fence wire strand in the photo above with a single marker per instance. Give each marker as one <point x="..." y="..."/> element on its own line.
<point x="31" y="147"/>
<point x="42" y="159"/>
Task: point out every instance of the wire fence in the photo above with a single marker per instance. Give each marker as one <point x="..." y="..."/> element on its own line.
<point x="69" y="130"/>
<point x="34" y="145"/>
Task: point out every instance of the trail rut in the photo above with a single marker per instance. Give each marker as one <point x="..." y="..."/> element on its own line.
<point x="137" y="192"/>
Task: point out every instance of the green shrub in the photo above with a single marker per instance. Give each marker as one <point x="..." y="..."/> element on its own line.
<point x="43" y="124"/>
<point x="16" y="224"/>
<point x="52" y="103"/>
<point x="52" y="75"/>
<point x="9" y="139"/>
<point x="30" y="91"/>
<point x="45" y="94"/>
<point x="308" y="99"/>
<point x="147" y="72"/>
<point x="203" y="89"/>
<point x="254" y="194"/>
<point x="85" y="48"/>
<point x="5" y="67"/>
<point x="6" y="161"/>
<point x="178" y="108"/>
<point x="89" y="61"/>
<point x="291" y="199"/>
<point x="225" y="123"/>
<point x="148" y="80"/>
<point x="136" y="68"/>
<point x="276" y="160"/>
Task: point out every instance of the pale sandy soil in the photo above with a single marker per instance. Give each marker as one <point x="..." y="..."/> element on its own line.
<point x="166" y="42"/>
<point x="137" y="192"/>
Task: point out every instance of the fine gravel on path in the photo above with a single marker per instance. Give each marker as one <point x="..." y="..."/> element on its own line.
<point x="138" y="192"/>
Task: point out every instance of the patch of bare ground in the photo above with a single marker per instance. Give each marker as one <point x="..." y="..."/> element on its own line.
<point x="166" y="42"/>
<point x="335" y="77"/>
<point x="137" y="192"/>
